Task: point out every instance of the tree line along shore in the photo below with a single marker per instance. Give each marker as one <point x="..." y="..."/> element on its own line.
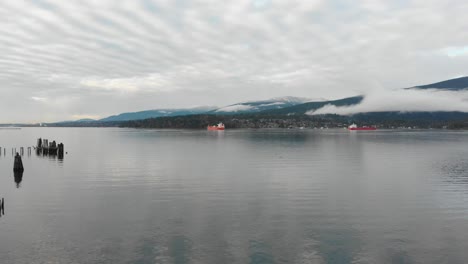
<point x="388" y="120"/>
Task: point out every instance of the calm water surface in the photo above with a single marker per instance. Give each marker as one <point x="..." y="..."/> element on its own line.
<point x="240" y="196"/>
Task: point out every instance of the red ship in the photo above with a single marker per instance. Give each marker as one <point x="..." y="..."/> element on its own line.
<point x="354" y="127"/>
<point x="219" y="126"/>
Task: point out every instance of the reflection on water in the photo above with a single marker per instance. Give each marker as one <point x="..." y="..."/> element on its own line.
<point x="456" y="170"/>
<point x="53" y="156"/>
<point x="60" y="156"/>
<point x="240" y="196"/>
<point x="18" y="178"/>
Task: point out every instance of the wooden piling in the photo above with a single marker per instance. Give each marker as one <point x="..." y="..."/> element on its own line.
<point x="2" y="209"/>
<point x="18" y="165"/>
<point x="60" y="147"/>
<point x="60" y="150"/>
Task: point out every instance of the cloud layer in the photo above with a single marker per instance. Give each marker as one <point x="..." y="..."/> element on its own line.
<point x="403" y="101"/>
<point x="61" y="59"/>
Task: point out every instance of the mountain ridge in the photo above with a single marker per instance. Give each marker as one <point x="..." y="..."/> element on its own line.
<point x="260" y="105"/>
<point x="456" y="84"/>
<point x="310" y="106"/>
<point x="140" y="115"/>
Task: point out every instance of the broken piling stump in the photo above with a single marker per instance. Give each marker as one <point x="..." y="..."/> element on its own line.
<point x="18" y="166"/>
<point x="60" y="150"/>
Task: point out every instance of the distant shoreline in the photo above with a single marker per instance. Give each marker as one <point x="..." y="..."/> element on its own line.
<point x="248" y="128"/>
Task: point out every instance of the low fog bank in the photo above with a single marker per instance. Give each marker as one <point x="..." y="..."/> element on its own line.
<point x="411" y="100"/>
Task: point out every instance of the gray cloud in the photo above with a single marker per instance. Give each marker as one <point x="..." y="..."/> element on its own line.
<point x="66" y="59"/>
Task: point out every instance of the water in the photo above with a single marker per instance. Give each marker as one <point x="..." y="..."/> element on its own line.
<point x="240" y="196"/>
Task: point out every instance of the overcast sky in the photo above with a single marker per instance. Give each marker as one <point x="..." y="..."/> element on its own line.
<point x="63" y="60"/>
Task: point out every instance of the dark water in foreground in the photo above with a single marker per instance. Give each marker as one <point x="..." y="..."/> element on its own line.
<point x="243" y="196"/>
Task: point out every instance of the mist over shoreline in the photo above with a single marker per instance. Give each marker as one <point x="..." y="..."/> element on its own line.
<point x="403" y="100"/>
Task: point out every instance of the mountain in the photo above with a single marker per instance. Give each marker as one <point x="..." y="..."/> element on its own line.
<point x="452" y="85"/>
<point x="283" y="107"/>
<point x="245" y="107"/>
<point x="258" y="106"/>
<point x="457" y="84"/>
<point x="156" y="113"/>
<point x="301" y="109"/>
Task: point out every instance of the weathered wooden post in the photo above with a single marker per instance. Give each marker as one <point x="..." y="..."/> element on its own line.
<point x="39" y="142"/>
<point x="2" y="209"/>
<point x="53" y="148"/>
<point x="60" y="151"/>
<point x="45" y="147"/>
<point x="18" y="166"/>
<point x="22" y="151"/>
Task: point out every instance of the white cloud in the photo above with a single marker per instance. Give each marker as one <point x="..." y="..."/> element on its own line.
<point x="84" y="116"/>
<point x="272" y="104"/>
<point x="456" y="51"/>
<point x="152" y="82"/>
<point x="235" y="108"/>
<point x="39" y="99"/>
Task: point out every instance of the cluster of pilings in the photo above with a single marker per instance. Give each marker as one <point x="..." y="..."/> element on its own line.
<point x="45" y="147"/>
<point x="14" y="151"/>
